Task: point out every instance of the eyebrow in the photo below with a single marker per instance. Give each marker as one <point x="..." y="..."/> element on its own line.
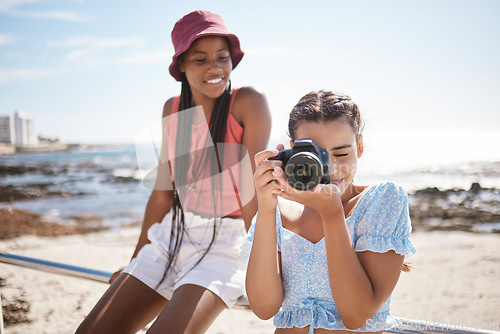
<point x="341" y="147"/>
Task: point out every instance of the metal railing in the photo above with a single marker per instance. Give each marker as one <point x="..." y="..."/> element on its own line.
<point x="406" y="326"/>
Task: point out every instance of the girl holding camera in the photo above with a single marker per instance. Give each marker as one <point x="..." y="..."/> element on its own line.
<point x="329" y="258"/>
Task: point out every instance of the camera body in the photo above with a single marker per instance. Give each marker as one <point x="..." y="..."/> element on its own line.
<point x="305" y="164"/>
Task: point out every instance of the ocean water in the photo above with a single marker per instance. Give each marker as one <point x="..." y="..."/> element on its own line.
<point x="106" y="181"/>
<point x="446" y="160"/>
<point x="416" y="160"/>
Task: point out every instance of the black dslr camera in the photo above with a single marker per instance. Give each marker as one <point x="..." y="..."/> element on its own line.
<point x="305" y="164"/>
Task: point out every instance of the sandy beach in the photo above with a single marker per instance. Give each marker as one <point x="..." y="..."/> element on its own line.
<point x="455" y="281"/>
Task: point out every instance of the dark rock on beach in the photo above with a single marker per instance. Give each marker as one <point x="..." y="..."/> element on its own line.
<point x="455" y="209"/>
<point x="121" y="179"/>
<point x="12" y="193"/>
<point x="15" y="311"/>
<point x="6" y="170"/>
<point x="17" y="191"/>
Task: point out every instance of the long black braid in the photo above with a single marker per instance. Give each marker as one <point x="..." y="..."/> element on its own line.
<point x="217" y="127"/>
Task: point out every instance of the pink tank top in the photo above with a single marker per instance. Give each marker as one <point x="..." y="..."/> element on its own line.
<point x="200" y="195"/>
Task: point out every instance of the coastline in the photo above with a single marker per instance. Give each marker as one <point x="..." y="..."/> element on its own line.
<point x="106" y="181"/>
<point x="9" y="149"/>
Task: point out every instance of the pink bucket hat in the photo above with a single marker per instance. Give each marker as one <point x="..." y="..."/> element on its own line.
<point x="198" y="24"/>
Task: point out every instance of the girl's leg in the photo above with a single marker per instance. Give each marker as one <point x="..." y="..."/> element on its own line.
<point x="192" y="309"/>
<point x="126" y="307"/>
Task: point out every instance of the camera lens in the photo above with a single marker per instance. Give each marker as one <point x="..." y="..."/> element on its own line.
<point x="302" y="171"/>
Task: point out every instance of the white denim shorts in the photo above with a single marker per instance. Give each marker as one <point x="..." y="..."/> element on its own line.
<point x="221" y="271"/>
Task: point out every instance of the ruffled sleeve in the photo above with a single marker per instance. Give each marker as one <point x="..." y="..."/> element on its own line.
<point x="385" y="223"/>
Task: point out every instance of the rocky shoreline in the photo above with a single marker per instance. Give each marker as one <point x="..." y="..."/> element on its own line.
<point x="476" y="209"/>
<point x="35" y="190"/>
<point x="432" y="209"/>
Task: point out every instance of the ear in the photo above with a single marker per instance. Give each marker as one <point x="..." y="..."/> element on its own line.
<point x="361" y="146"/>
<point x="291" y="143"/>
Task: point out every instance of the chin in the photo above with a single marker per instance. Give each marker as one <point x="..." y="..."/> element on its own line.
<point x="216" y="94"/>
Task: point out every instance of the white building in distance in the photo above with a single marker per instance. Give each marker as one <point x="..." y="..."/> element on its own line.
<point x="7" y="130"/>
<point x="18" y="130"/>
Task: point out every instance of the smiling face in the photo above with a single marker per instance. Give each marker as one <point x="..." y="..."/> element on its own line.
<point x="338" y="137"/>
<point x="207" y="65"/>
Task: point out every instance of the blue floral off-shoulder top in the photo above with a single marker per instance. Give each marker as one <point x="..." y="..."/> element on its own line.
<point x="380" y="222"/>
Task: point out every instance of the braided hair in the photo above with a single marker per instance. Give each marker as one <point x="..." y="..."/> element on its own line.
<point x="217" y="129"/>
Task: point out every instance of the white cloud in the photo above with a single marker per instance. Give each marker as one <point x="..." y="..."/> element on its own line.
<point x="10" y="7"/>
<point x="147" y="57"/>
<point x="8" y="75"/>
<point x="6" y="5"/>
<point x="83" y="52"/>
<point x="279" y="51"/>
<point x="55" y="15"/>
<point x="6" y="39"/>
<point x="85" y="49"/>
<point x="103" y="43"/>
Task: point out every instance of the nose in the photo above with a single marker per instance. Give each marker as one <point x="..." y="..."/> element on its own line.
<point x="214" y="65"/>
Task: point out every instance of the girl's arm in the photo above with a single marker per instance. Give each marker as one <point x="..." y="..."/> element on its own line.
<point x="160" y="200"/>
<point x="252" y="112"/>
<point x="159" y="204"/>
<point x="360" y="282"/>
<point x="263" y="281"/>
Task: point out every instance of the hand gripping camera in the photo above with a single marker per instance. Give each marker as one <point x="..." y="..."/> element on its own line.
<point x="305" y="164"/>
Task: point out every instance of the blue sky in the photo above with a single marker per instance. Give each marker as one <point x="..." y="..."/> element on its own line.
<point x="96" y="71"/>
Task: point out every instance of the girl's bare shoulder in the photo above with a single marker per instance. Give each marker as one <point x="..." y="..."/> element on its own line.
<point x="249" y="92"/>
<point x="167" y="107"/>
<point x="250" y="101"/>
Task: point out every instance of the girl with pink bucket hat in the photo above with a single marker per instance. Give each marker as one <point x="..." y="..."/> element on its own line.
<point x="187" y="266"/>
